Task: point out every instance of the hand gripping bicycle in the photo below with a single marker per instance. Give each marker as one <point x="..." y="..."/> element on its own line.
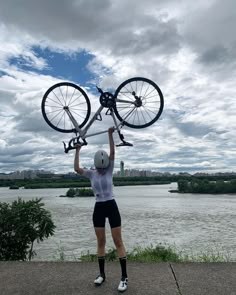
<point x="137" y="103"/>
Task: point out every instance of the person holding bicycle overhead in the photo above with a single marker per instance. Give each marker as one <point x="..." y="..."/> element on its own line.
<point x="105" y="207"/>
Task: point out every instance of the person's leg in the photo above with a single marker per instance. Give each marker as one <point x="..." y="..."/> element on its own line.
<point x="117" y="238"/>
<point x="99" y="227"/>
<point x="115" y="223"/>
<point x="101" y="242"/>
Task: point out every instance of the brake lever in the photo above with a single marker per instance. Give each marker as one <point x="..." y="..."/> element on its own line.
<point x="73" y="141"/>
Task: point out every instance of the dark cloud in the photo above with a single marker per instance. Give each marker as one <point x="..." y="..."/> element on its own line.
<point x="95" y="25"/>
<point x="193" y="129"/>
<point x="210" y="34"/>
<point x="186" y="51"/>
<point x="215" y="55"/>
<point x="31" y="122"/>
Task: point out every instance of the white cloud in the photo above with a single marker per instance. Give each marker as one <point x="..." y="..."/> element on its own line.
<point x="187" y="48"/>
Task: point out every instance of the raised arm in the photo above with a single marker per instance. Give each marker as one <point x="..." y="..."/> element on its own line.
<point x="76" y="161"/>
<point x="111" y="143"/>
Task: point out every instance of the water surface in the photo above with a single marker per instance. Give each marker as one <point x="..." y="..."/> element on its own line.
<point x="193" y="223"/>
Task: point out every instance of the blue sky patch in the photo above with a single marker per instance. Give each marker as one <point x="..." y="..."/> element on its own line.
<point x="72" y="67"/>
<point x="2" y="73"/>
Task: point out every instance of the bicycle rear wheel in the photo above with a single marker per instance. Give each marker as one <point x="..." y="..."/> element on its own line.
<point x="63" y="96"/>
<point x="139" y="102"/>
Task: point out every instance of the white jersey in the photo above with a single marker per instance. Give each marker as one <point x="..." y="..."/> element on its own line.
<point x="102" y="184"/>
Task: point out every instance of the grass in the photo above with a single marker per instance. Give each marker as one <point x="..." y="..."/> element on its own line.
<point x="160" y="253"/>
<point x="157" y="253"/>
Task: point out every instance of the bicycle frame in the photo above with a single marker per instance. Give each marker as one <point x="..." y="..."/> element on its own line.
<point x="83" y="132"/>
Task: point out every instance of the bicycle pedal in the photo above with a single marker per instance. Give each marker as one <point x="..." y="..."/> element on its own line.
<point x="124" y="143"/>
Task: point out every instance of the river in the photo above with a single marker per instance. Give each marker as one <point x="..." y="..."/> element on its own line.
<point x="191" y="223"/>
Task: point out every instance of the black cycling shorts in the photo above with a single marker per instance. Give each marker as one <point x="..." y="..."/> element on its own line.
<point x="107" y="209"/>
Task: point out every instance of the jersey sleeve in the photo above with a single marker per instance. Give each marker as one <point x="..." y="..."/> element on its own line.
<point x="87" y="173"/>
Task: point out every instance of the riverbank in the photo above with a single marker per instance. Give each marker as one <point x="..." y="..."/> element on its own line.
<point x="78" y="181"/>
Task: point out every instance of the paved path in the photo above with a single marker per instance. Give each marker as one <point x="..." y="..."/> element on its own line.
<point x="74" y="278"/>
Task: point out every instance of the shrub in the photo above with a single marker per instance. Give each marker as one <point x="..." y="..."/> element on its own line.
<point x="79" y="192"/>
<point x="21" y="224"/>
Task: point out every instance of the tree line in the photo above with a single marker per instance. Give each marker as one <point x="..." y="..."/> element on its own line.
<point x="83" y="182"/>
<point x="205" y="186"/>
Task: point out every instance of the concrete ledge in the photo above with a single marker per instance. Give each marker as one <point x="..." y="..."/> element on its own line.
<point x="206" y="278"/>
<point x="74" y="278"/>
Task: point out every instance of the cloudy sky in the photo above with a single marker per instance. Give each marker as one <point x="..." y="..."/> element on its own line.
<point x="187" y="47"/>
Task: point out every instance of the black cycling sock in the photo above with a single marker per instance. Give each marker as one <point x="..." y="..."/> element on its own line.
<point x="123" y="266"/>
<point x="101" y="263"/>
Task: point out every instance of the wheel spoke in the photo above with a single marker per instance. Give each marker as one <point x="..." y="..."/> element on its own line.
<point x="71" y="96"/>
<point x="150" y="110"/>
<point x="148" y="95"/>
<point x="154" y="101"/>
<point x="145" y="94"/>
<point x="54" y="111"/>
<point x="79" y="104"/>
<point x="77" y="97"/>
<point x="58" y="98"/>
<point x="77" y="114"/>
<point x="83" y="110"/>
<point x="143" y="117"/>
<point x="63" y="114"/>
<point x="55" y="101"/>
<point x="147" y="99"/>
<point x="128" y="96"/>
<point x="129" y="113"/>
<point x="61" y="97"/>
<point x="62" y="111"/>
<point x="141" y="89"/>
<point x="148" y="113"/>
<point x="136" y="115"/>
<point x="52" y="106"/>
<point x="64" y="121"/>
<point x="122" y="108"/>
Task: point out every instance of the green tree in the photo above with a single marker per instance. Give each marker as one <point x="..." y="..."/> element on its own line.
<point x="182" y="185"/>
<point x="21" y="224"/>
<point x="71" y="193"/>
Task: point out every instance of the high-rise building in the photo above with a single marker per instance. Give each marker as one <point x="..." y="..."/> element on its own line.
<point x="122" y="172"/>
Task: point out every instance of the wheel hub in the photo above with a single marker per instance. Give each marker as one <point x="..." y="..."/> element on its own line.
<point x="138" y="100"/>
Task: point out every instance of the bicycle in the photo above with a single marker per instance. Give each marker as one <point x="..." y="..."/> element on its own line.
<point x="66" y="108"/>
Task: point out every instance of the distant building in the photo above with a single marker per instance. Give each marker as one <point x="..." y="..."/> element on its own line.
<point x="122" y="172"/>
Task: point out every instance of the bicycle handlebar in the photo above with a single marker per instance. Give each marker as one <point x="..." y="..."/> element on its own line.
<point x="74" y="141"/>
<point x="72" y="144"/>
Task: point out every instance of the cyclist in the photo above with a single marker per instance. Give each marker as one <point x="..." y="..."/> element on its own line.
<point x="105" y="206"/>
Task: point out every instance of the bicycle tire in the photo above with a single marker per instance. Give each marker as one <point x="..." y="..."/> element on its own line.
<point x="144" y="90"/>
<point x="60" y="95"/>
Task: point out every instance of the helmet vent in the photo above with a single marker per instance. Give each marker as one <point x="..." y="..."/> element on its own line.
<point x="101" y="159"/>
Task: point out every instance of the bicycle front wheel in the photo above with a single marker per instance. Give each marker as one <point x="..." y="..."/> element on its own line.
<point x="139" y="102"/>
<point x="60" y="97"/>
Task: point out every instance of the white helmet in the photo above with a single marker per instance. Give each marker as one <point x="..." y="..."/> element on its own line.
<point x="101" y="159"/>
